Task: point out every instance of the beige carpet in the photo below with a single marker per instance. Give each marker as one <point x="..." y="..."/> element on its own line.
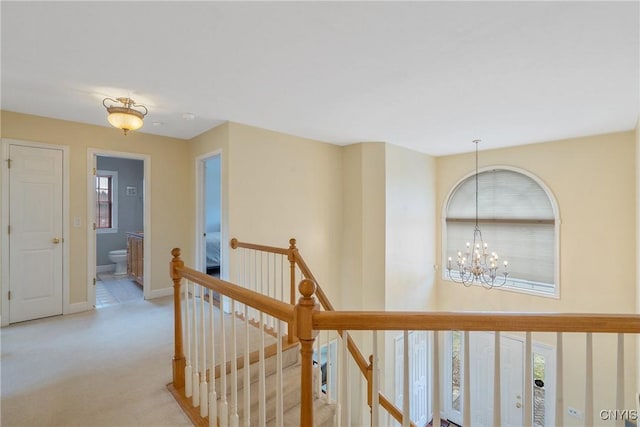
<point x="107" y="367"/>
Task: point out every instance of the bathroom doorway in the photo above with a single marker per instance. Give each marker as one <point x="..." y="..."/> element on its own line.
<point x="118" y="227"/>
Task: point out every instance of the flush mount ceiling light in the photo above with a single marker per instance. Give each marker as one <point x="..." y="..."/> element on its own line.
<point x="123" y="115"/>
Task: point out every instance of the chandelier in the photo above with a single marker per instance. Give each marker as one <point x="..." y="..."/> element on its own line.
<point x="124" y="116"/>
<point x="475" y="264"/>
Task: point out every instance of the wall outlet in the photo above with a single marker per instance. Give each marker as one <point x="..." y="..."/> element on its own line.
<point x="574" y="412"/>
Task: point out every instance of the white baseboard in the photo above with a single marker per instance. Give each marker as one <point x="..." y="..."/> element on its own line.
<point x="105" y="268"/>
<point x="78" y="307"/>
<point x="158" y="293"/>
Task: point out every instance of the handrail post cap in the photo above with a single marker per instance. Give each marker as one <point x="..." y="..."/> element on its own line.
<point x="292" y="243"/>
<point x="234" y="243"/>
<point x="307" y="287"/>
<point x="175" y="252"/>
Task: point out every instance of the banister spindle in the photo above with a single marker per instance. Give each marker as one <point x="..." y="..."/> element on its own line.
<point x="588" y="394"/>
<point x="496" y="380"/>
<point x="213" y="397"/>
<point x="406" y="416"/>
<point x="620" y="378"/>
<point x="262" y="410"/>
<point x="223" y="409"/>
<point x="247" y="370"/>
<point x="234" y="420"/>
<point x="435" y="379"/>
<point x="279" y="379"/>
<point x="559" y="381"/>
<point x="204" y="388"/>
<point x="375" y="386"/>
<point x="195" y="397"/>
<point x="466" y="376"/>
<point x="188" y="370"/>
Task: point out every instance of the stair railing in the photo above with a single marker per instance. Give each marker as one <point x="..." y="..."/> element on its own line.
<point x="307" y="319"/>
<point x="298" y="271"/>
<point x="209" y="371"/>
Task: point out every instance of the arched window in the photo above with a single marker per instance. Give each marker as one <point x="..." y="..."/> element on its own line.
<point x="519" y="220"/>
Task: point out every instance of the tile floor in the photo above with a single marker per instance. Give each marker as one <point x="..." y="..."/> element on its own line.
<point x="111" y="290"/>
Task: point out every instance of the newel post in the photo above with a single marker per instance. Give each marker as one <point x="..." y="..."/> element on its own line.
<point x="291" y="256"/>
<point x="178" y="358"/>
<point x="306" y="335"/>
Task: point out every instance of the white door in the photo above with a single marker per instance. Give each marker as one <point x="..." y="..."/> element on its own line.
<point x="35" y="238"/>
<point x="512" y="377"/>
<point x="419" y="375"/>
<point x="482" y="376"/>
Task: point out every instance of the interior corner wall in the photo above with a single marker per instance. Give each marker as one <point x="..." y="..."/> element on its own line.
<point x="410" y="257"/>
<point x="594" y="182"/>
<point x="282" y="186"/>
<point x="170" y="220"/>
<point x="352" y="213"/>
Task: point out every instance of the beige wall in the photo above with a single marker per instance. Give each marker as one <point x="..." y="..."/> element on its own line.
<point x="216" y="141"/>
<point x="170" y="195"/>
<point x="410" y="230"/>
<point x="277" y="186"/>
<point x="363" y="237"/>
<point x="593" y="181"/>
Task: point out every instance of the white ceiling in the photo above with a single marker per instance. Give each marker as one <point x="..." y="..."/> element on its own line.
<point x="430" y="76"/>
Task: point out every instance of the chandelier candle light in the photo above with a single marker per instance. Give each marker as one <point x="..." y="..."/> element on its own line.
<point x="475" y="264"/>
<point x="125" y="116"/>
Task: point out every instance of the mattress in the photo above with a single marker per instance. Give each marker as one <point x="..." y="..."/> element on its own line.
<point x="213" y="249"/>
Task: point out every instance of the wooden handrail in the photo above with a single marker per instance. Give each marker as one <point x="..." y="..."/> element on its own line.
<point x="268" y="305"/>
<point x="294" y="255"/>
<point x="355" y="352"/>
<point x="476" y="321"/>
<point x="306" y="271"/>
<point x="358" y="357"/>
<point x="235" y="244"/>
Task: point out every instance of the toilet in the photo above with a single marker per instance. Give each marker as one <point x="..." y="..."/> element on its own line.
<point x="120" y="258"/>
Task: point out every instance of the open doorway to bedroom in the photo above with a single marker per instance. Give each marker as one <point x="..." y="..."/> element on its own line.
<point x="209" y="229"/>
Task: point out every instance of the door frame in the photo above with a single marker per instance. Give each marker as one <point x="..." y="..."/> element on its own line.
<point x="200" y="214"/>
<point x="4" y="220"/>
<point x="92" y="155"/>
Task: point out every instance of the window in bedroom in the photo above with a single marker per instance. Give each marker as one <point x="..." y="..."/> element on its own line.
<point x="519" y="220"/>
<point x="106" y="201"/>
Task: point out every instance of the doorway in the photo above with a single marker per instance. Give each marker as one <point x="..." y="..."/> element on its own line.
<point x="119" y="237"/>
<point x="35" y="257"/>
<point x="209" y="224"/>
<point x="481" y="366"/>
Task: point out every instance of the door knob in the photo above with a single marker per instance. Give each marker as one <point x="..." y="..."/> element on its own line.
<point x="55" y="240"/>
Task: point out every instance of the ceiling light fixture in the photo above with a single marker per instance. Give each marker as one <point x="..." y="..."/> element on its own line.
<point x="475" y="264"/>
<point x="124" y="116"/>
